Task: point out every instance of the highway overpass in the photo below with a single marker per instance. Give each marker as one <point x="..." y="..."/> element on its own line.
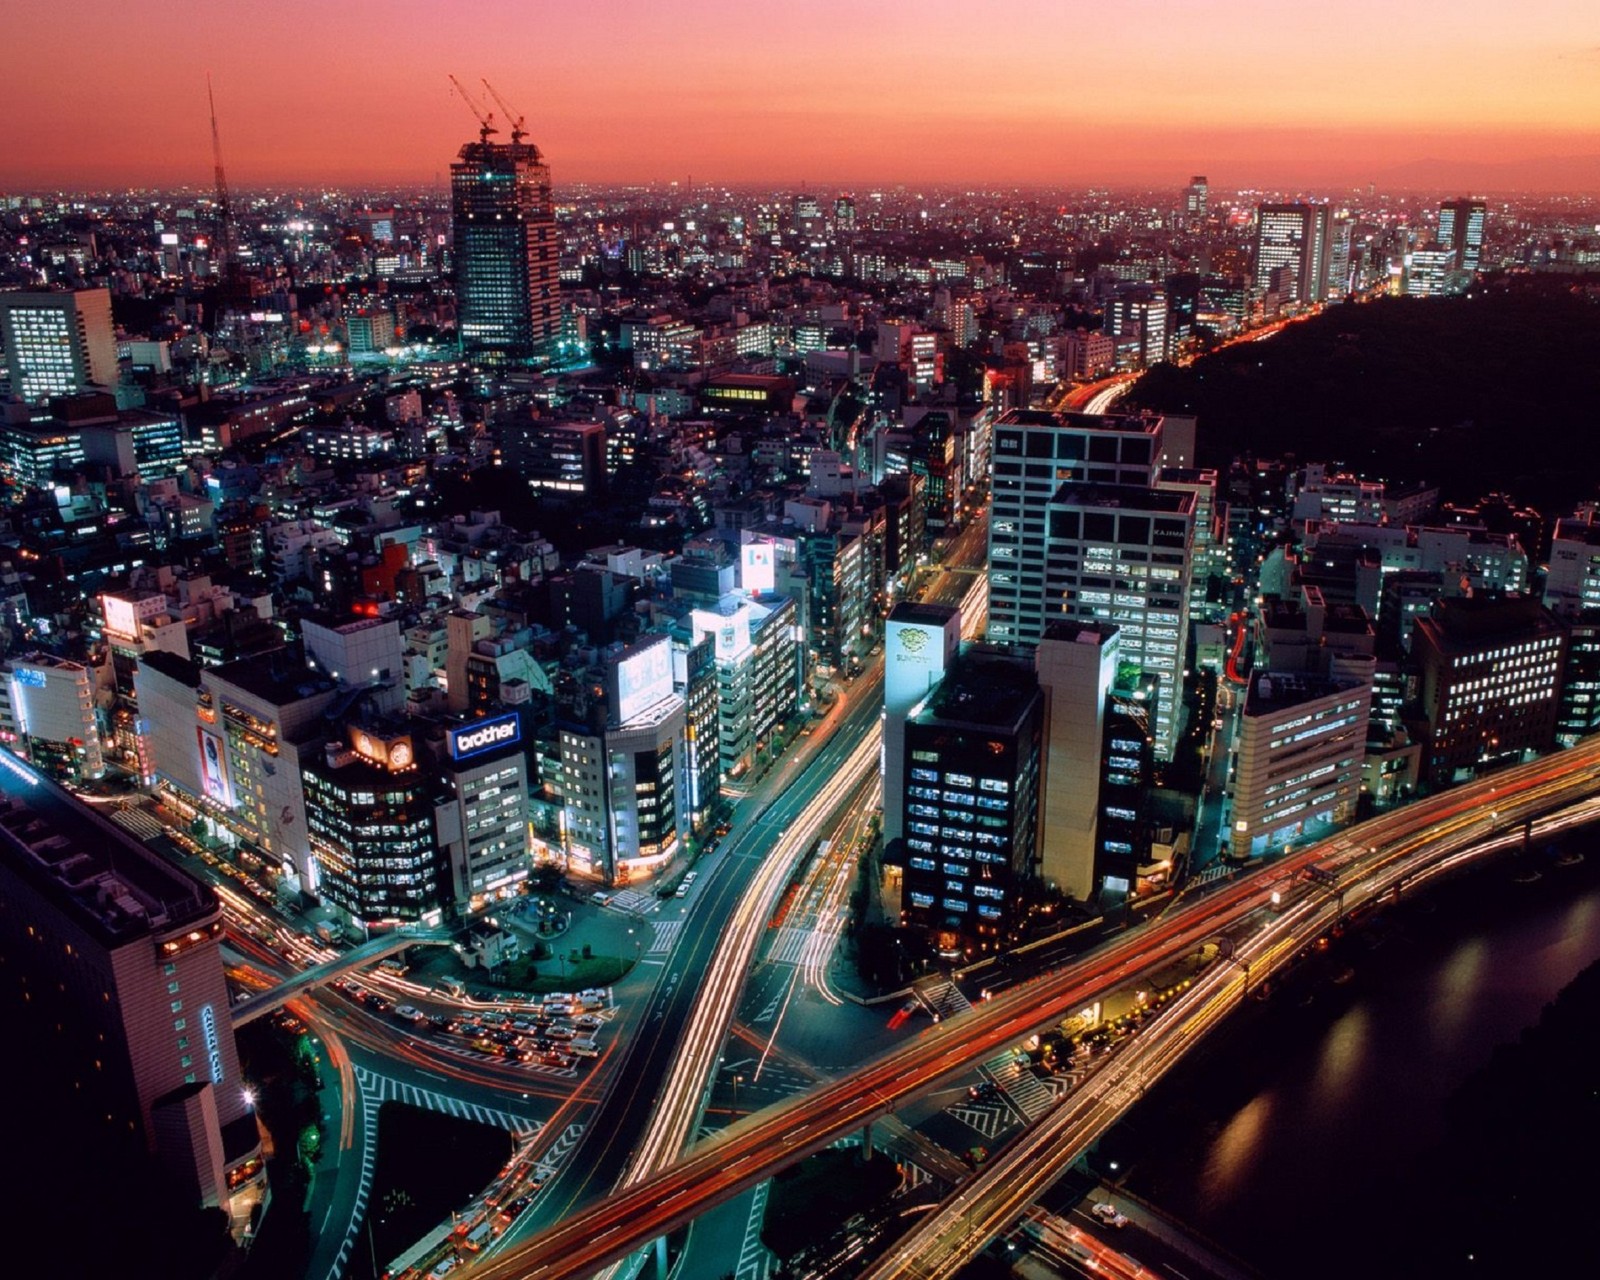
<point x="369" y="952"/>
<point x="1352" y="866"/>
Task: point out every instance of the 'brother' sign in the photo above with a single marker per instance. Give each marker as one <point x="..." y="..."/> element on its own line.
<point x="485" y="735"/>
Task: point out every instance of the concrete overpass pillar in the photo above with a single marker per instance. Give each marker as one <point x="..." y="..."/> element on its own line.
<point x="866" y="1141"/>
<point x="661" y="1258"/>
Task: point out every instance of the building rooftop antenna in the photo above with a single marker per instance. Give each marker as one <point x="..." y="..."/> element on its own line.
<point x="225" y="229"/>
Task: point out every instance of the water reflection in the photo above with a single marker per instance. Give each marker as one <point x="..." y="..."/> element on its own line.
<point x="1317" y="1110"/>
<point x="1454" y="993"/>
<point x="1236" y="1150"/>
<point x="1342" y="1061"/>
<point x="1580" y="927"/>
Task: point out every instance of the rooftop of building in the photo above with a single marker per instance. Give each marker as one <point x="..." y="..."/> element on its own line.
<point x="987" y="689"/>
<point x="927" y="615"/>
<point x="1274" y="691"/>
<point x="49" y="660"/>
<point x="279" y="677"/>
<point x="1095" y="633"/>
<point x="1578" y="529"/>
<point x="94" y="870"/>
<point x="172" y="667"/>
<point x="1128" y="423"/>
<point x="1188" y="475"/>
<point x="1132" y="497"/>
<point x="1464" y="623"/>
<point x="346" y="626"/>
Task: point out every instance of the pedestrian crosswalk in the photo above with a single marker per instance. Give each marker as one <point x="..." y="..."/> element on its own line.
<point x="665" y="933"/>
<point x="790" y="945"/>
<point x="139" y="822"/>
<point x="1217" y="871"/>
<point x="634" y="903"/>
<point x="943" y="998"/>
<point x="756" y="1261"/>
<point x="376" y="1089"/>
<point x="1019" y="1084"/>
<point x="1061" y="1083"/>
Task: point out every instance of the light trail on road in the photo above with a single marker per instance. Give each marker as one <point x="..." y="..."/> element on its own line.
<point x="751" y="1149"/>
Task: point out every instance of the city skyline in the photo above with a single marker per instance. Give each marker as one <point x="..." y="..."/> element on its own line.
<point x="1491" y="100"/>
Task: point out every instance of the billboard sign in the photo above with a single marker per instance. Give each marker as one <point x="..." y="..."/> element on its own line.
<point x="644" y="677"/>
<point x="757" y="572"/>
<point x="121" y="617"/>
<point x="214" y="768"/>
<point x="484" y="735"/>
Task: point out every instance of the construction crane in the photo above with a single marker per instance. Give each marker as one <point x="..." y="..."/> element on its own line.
<point x="224" y="247"/>
<point x="486" y="124"/>
<point x="518" y="133"/>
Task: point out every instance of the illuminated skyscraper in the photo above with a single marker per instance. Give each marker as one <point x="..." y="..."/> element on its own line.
<point x="58" y="342"/>
<point x="1196" y="198"/>
<point x="1293" y="239"/>
<point x="1461" y="230"/>
<point x="508" y="261"/>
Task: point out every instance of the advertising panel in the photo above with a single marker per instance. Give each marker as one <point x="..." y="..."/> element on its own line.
<point x="913" y="662"/>
<point x="214" y="768"/>
<point x="121" y="617"/>
<point x="484" y="735"/>
<point x="643" y="679"/>
<point x="757" y="572"/>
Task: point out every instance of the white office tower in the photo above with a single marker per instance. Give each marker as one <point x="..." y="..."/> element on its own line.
<point x="1301" y="744"/>
<point x="920" y="644"/>
<point x="1292" y="252"/>
<point x="1077" y="665"/>
<point x="57" y="342"/>
<point x="1079" y="532"/>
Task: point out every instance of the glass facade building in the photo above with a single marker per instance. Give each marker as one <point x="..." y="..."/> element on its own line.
<point x="507" y="258"/>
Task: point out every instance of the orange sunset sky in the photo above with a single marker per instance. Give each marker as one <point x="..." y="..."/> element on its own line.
<point x="1272" y="93"/>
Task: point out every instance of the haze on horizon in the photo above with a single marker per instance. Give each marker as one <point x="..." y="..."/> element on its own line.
<point x="1254" y="93"/>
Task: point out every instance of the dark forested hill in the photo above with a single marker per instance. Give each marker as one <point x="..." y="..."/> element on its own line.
<point x="1499" y="389"/>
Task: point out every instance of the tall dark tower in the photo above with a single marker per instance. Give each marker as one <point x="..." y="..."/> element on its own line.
<point x="225" y="248"/>
<point x="508" y="262"/>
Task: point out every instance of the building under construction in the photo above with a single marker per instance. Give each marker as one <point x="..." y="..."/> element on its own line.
<point x="507" y="260"/>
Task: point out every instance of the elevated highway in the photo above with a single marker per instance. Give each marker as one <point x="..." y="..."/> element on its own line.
<point x="1351" y="868"/>
<point x="368" y="952"/>
<point x="946" y="1240"/>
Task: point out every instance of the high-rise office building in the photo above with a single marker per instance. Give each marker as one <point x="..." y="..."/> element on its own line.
<point x="1461" y="231"/>
<point x="371" y="814"/>
<point x="1196" y="199"/>
<point x="1292" y="257"/>
<point x="1301" y="743"/>
<point x="1489" y="671"/>
<point x="507" y="257"/>
<point x="58" y="342"/>
<point x="972" y="802"/>
<point x="1079" y="531"/>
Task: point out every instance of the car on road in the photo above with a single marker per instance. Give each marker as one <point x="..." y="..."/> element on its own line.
<point x="1108" y="1214"/>
<point x="588" y="1020"/>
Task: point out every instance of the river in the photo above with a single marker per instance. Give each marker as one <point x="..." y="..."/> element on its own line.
<point x="1295" y="1135"/>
